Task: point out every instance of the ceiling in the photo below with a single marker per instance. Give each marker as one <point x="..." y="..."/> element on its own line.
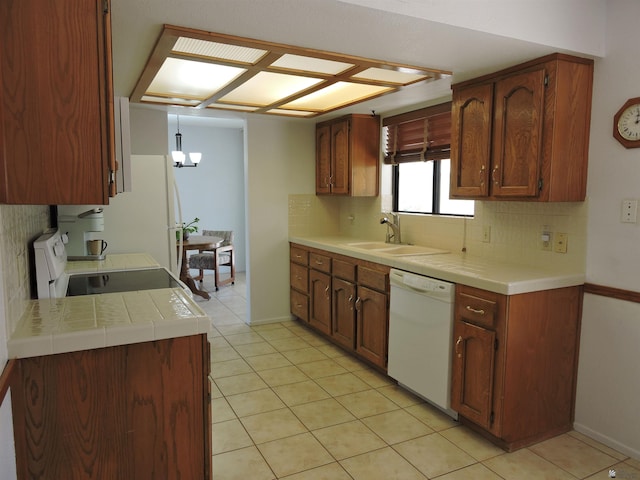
<point x="397" y="31"/>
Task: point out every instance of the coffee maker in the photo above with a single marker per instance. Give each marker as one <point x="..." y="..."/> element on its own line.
<point x="79" y="229"/>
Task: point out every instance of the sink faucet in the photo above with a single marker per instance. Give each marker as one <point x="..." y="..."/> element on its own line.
<point x="394" y="224"/>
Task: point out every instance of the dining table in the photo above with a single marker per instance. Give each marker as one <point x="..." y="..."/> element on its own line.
<point x="196" y="242"/>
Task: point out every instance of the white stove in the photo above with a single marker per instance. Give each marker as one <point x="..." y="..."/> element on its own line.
<point x="51" y="262"/>
<point x="54" y="282"/>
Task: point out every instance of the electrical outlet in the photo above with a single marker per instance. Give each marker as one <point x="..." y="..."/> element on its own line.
<point x="486" y="233"/>
<point x="629" y="210"/>
<point x="560" y="242"/>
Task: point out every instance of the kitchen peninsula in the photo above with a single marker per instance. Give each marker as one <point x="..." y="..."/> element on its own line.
<point x="112" y="385"/>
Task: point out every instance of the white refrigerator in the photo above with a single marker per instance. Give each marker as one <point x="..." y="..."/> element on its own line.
<point x="144" y="219"/>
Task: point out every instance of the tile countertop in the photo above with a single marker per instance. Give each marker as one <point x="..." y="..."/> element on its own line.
<point x="491" y="275"/>
<point x="61" y="325"/>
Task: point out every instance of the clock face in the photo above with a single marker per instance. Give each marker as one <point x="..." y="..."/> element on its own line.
<point x="629" y="123"/>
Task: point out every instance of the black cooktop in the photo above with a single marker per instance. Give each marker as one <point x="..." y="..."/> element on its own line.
<point x="120" y="281"/>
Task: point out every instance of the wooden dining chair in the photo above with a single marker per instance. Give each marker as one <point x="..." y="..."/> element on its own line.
<point x="213" y="259"/>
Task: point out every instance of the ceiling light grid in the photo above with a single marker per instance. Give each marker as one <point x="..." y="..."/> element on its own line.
<point x="208" y="70"/>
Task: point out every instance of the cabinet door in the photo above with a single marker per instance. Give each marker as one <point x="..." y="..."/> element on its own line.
<point x="320" y="299"/>
<point x="299" y="277"/>
<point x="340" y="167"/>
<point x="323" y="159"/>
<point x="372" y="325"/>
<point x="56" y="102"/>
<point x="473" y="372"/>
<point x="517" y="130"/>
<point x="299" y="304"/>
<point x="343" y="327"/>
<point x="118" y="412"/>
<point x="471" y="141"/>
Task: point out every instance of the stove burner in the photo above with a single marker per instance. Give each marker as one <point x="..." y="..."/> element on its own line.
<point x="120" y="281"/>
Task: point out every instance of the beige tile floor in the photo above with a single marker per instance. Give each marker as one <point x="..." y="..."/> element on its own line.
<point x="288" y="404"/>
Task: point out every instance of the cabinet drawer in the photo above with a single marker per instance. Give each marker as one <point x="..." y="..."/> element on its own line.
<point x="344" y="270"/>
<point x="300" y="305"/>
<point x="373" y="279"/>
<point x="299" y="255"/>
<point x="299" y="277"/>
<point x="479" y="310"/>
<point x="320" y="262"/>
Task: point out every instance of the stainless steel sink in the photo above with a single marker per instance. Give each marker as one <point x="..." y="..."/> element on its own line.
<point x="395" y="250"/>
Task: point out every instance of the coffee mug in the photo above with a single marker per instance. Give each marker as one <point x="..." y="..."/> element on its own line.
<point x="96" y="247"/>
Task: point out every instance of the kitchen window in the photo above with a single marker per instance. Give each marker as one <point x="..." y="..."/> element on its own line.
<point x="418" y="146"/>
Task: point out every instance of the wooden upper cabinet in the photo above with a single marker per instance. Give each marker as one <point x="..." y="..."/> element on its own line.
<point x="56" y="113"/>
<point x="323" y="159"/>
<point x="517" y="139"/>
<point x="523" y="133"/>
<point x="348" y="156"/>
<point x="471" y="114"/>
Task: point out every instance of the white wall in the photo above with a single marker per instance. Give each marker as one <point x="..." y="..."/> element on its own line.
<point x="280" y="160"/>
<point x="608" y="381"/>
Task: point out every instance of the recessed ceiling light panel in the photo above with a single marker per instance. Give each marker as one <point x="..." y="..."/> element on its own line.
<point x="267" y="88"/>
<point x="337" y="95"/>
<point x="392" y="76"/>
<point x="221" y="51"/>
<point x="311" y="64"/>
<point x="192" y="79"/>
<point x="215" y="70"/>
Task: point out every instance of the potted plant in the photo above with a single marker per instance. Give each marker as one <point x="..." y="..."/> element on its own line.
<point x="187" y="229"/>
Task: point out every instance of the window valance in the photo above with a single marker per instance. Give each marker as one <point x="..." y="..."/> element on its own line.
<point x="419" y="135"/>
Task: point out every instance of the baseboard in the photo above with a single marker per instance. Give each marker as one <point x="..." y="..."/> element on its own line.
<point x="265" y="321"/>
<point x="608" y="441"/>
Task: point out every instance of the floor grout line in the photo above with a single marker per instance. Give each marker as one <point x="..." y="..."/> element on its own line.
<point x="493" y="463"/>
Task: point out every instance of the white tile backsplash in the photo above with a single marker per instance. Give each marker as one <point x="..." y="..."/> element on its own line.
<point x="515" y="227"/>
<point x="19" y="226"/>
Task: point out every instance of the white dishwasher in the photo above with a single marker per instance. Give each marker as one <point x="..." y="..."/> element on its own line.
<point x="420" y="336"/>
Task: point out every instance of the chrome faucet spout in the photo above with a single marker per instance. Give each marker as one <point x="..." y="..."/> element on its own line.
<point x="394" y="225"/>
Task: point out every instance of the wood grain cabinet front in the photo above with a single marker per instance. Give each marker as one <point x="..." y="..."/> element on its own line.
<point x="56" y="103"/>
<point x="132" y="411"/>
<point x="523" y="133"/>
<point x="514" y="364"/>
<point x="348" y="301"/>
<point x="348" y="156"/>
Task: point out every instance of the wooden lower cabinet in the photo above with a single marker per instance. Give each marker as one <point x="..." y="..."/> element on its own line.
<point x="372" y="328"/>
<point x="515" y="363"/>
<point x="320" y="301"/>
<point x="348" y="300"/>
<point x="131" y="411"/>
<point x="343" y="327"/>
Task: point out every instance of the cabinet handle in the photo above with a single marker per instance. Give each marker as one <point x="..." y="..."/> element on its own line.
<point x="493" y="174"/>
<point x="482" y="168"/>
<point x="473" y="310"/>
<point x="457" y="345"/>
<point x="319" y="262"/>
<point x="326" y="291"/>
<point x="357" y="305"/>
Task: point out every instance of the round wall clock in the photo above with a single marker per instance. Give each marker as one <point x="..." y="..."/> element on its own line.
<point x="626" y="124"/>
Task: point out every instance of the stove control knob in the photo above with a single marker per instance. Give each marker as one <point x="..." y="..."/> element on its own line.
<point x="58" y="249"/>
